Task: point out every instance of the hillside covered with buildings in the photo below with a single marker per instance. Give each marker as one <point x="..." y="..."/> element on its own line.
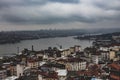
<point x="98" y="62"/>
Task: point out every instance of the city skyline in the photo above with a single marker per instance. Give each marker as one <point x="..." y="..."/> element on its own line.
<point x="58" y="14"/>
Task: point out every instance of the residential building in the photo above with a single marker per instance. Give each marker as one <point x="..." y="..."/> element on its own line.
<point x="112" y="55"/>
<point x="78" y="48"/>
<point x="65" y="52"/>
<point x="51" y="75"/>
<point x="62" y="74"/>
<point x="3" y="74"/>
<point x="32" y="62"/>
<point x="96" y="58"/>
<point x="19" y="69"/>
<point x="75" y="64"/>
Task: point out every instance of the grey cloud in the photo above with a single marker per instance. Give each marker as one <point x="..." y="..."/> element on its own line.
<point x="106" y="4"/>
<point x="14" y="19"/>
<point x="50" y="20"/>
<point x="4" y="3"/>
<point x="58" y="11"/>
<point x="65" y="1"/>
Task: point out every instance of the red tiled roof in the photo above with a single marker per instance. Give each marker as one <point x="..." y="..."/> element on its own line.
<point x="88" y="73"/>
<point x="115" y="66"/>
<point x="49" y="75"/>
<point x="64" y="60"/>
<point x="93" y="70"/>
<point x="115" y="44"/>
<point x="75" y="60"/>
<point x="115" y="77"/>
<point x="71" y="60"/>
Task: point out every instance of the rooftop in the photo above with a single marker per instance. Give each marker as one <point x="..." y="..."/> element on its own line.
<point x="115" y="66"/>
<point x="62" y="72"/>
<point x="11" y="78"/>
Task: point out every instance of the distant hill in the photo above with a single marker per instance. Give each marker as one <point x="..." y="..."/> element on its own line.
<point x="17" y="36"/>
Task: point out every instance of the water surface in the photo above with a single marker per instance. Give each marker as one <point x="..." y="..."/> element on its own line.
<point x="39" y="44"/>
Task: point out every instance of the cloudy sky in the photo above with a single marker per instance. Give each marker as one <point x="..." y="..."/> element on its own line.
<point x="59" y="14"/>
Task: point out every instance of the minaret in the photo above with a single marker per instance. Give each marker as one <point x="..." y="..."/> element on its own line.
<point x="17" y="49"/>
<point x="32" y="48"/>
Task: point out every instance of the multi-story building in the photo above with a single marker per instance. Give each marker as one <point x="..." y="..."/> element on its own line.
<point x="96" y="58"/>
<point x="62" y="74"/>
<point x="65" y="52"/>
<point x="3" y="74"/>
<point x="75" y="64"/>
<point x="78" y="48"/>
<point x="105" y="55"/>
<point x="51" y="75"/>
<point x="20" y="69"/>
<point x="32" y="63"/>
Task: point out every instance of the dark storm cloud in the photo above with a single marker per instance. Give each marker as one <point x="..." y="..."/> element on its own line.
<point x="58" y="11"/>
<point x="65" y="1"/>
<point x="4" y="3"/>
<point x="50" y="20"/>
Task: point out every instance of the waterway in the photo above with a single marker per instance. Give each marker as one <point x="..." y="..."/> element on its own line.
<point x="44" y="43"/>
